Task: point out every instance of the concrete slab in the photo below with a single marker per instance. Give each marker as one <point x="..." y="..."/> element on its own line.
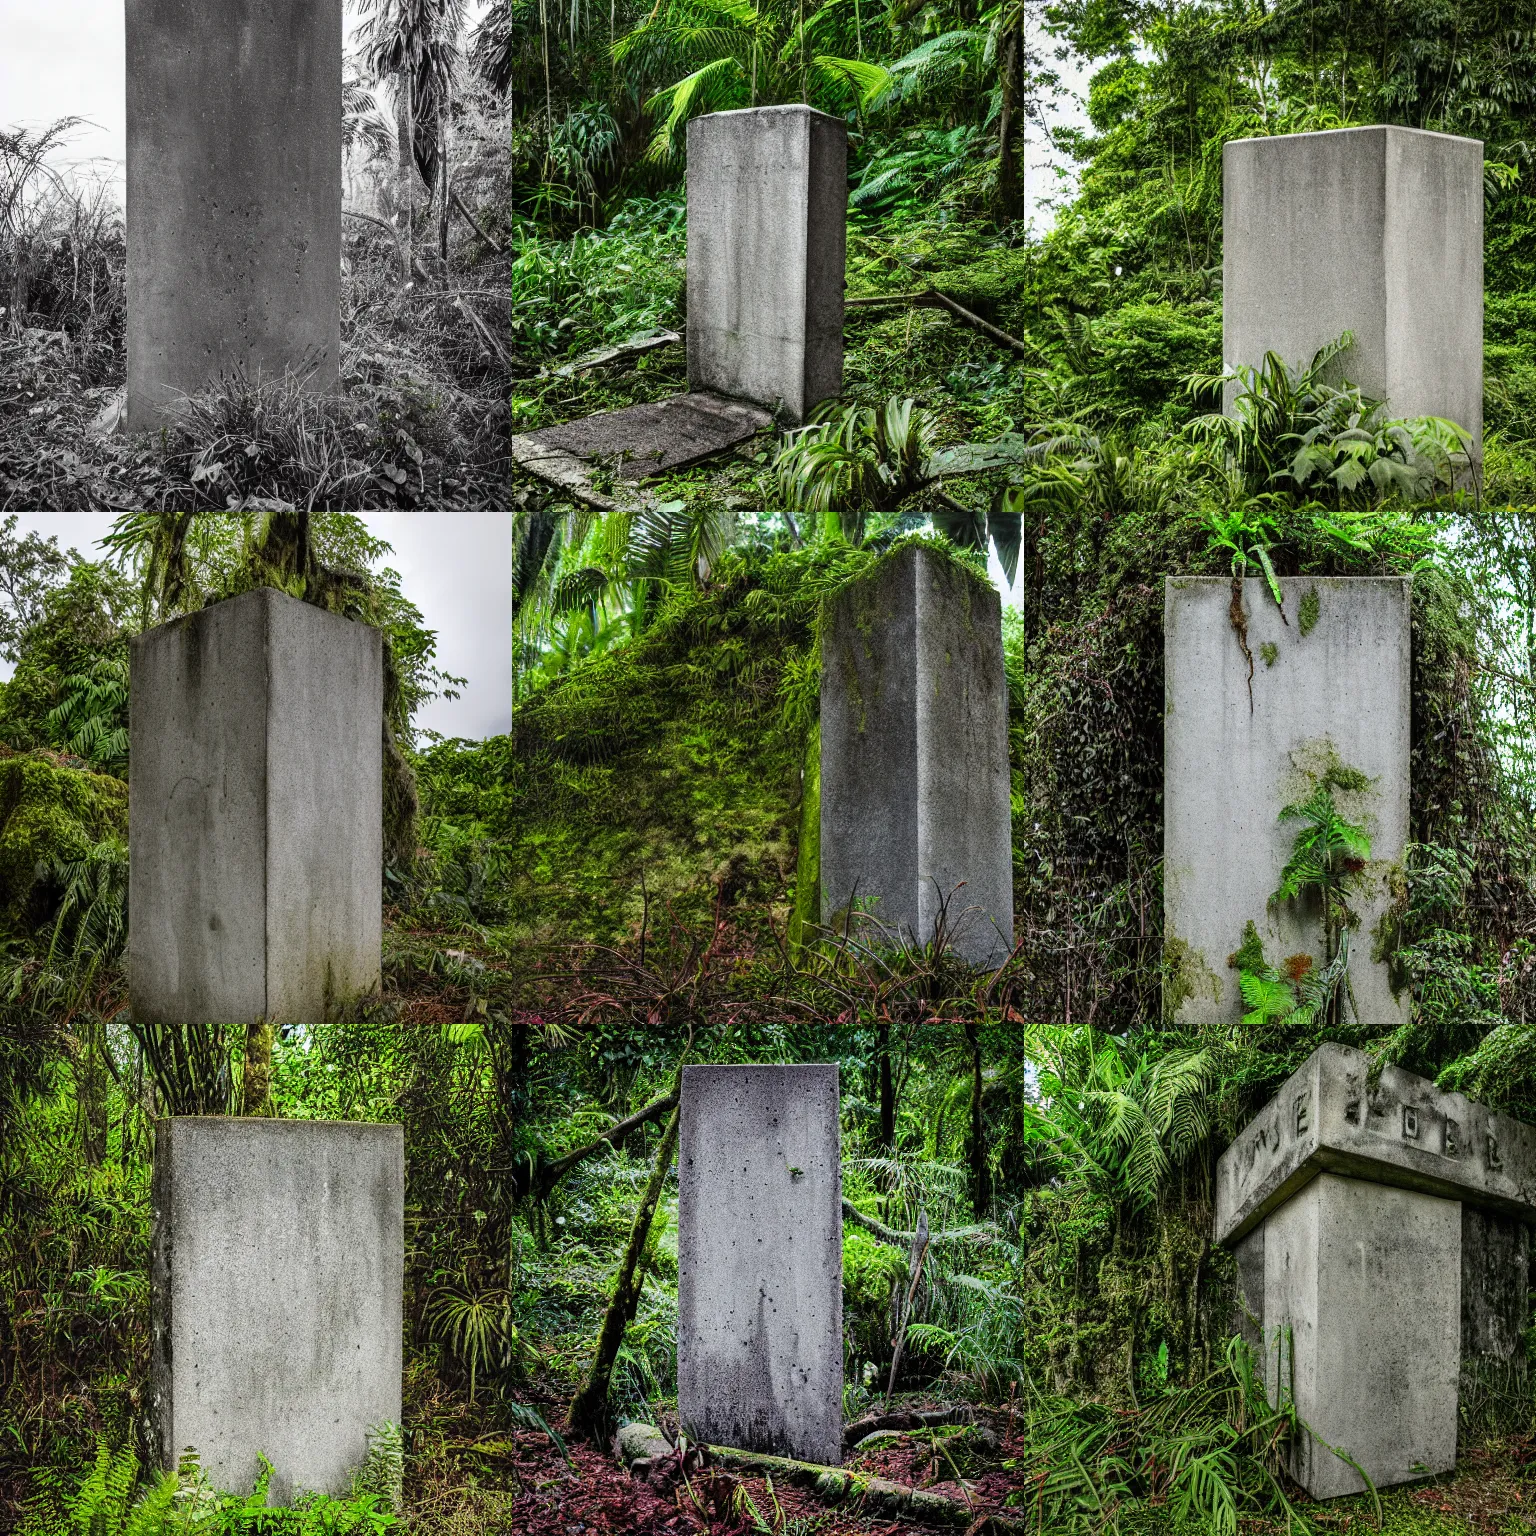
<point x="915" y="810"/>
<point x="234" y="196"/>
<point x="639" y="442"/>
<point x="1362" y="1300"/>
<point x="767" y="229"/>
<point x="1337" y="694"/>
<point x="760" y="1260"/>
<point x="276" y="1269"/>
<point x="1375" y="230"/>
<point x="256" y="822"/>
<point x="1400" y="1130"/>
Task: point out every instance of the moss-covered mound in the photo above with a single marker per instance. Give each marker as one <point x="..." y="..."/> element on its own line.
<point x="49" y="811"/>
<point x="664" y="774"/>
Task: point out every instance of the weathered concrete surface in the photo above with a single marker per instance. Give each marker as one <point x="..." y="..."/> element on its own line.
<point x="1362" y="1301"/>
<point x="234" y="195"/>
<point x="1341" y="1187"/>
<point x="1337" y="695"/>
<point x="256" y="821"/>
<point x="1495" y="1285"/>
<point x="760" y="1260"/>
<point x="641" y="442"/>
<point x="276" y="1269"/>
<point x="914" y="758"/>
<point x="1378" y="231"/>
<point x="1401" y="1130"/>
<point x="767" y="219"/>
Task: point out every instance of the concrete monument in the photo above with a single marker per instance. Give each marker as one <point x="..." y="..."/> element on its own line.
<point x="234" y="196"/>
<point x="1379" y="1228"/>
<point x="915" y="809"/>
<point x="1377" y="231"/>
<point x="760" y="1260"/>
<point x="767" y="218"/>
<point x="256" y="831"/>
<point x="1329" y="692"/>
<point x="276" y="1269"/>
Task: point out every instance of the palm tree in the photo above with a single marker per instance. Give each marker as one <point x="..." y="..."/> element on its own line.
<point x="738" y="53"/>
<point x="418" y="43"/>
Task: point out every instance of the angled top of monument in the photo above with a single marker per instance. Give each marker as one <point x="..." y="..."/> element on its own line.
<point x="1398" y="1129"/>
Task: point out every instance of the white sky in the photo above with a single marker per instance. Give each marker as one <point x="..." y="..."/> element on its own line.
<point x="65" y="58"/>
<point x="455" y="566"/>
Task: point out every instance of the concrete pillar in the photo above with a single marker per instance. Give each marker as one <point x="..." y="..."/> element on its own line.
<point x="234" y="195"/>
<point x="767" y="216"/>
<point x="1379" y="1230"/>
<point x="1330" y="688"/>
<point x="915" y="810"/>
<point x="256" y="821"/>
<point x="760" y="1260"/>
<point x="276" y="1268"/>
<point x="1378" y="231"/>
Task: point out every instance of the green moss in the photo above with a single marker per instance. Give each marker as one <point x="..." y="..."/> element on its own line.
<point x="47" y="812"/>
<point x="806" y="910"/>
<point x="1270" y="652"/>
<point x="1307" y="615"/>
<point x="1185" y="975"/>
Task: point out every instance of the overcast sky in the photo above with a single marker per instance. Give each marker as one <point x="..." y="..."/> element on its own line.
<point x="457" y="569"/>
<point x="64" y="58"/>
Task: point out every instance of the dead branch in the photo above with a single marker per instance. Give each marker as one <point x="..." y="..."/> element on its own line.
<point x="545" y="1179"/>
<point x="932" y="298"/>
<point x="983" y="1237"/>
<point x="876" y="1495"/>
<point x="474" y="223"/>
<point x="905" y="1421"/>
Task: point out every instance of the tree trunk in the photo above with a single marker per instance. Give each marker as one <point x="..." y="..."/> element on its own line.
<point x="590" y="1404"/>
<point x="981" y="1193"/>
<point x="443" y="180"/>
<point x="1010" y="188"/>
<point x="887" y="1090"/>
<point x="256" y="1078"/>
<point x="406" y="191"/>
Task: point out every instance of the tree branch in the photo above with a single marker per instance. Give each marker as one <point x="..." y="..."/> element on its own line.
<point x="931" y="298"/>
<point x="546" y="1177"/>
<point x="459" y="203"/>
<point x="983" y="1237"/>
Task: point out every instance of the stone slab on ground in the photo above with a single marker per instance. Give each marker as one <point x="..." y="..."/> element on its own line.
<point x="256" y="822"/>
<point x="234" y="118"/>
<point x="1336" y="695"/>
<point x="1378" y="231"/>
<point x="915" y="811"/>
<point x="760" y="1260"/>
<point x="1362" y="1301"/>
<point x="1330" y="1116"/>
<point x="276" y="1269"/>
<point x="767" y="231"/>
<point x="639" y="442"/>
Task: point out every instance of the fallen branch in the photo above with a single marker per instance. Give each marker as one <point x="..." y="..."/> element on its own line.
<point x="546" y="1177"/>
<point x="474" y="223"/>
<point x="877" y="1495"/>
<point x="934" y="1418"/>
<point x="630" y="348"/>
<point x="983" y="1237"/>
<point x="931" y="298"/>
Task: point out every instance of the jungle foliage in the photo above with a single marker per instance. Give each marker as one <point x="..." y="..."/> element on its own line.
<point x="613" y="885"/>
